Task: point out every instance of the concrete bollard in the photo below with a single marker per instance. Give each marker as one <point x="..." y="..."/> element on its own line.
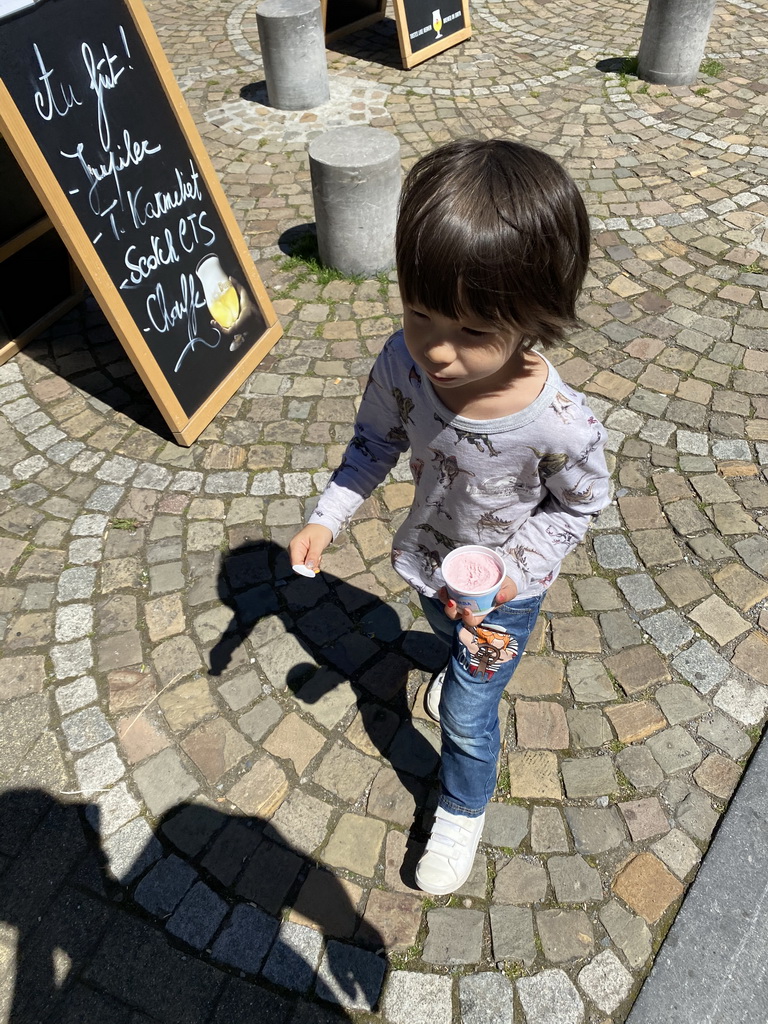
<point x="674" y="38"/>
<point x="293" y="49"/>
<point x="355" y="187"/>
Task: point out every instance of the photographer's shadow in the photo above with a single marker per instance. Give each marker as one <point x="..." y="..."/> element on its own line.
<point x="92" y="934"/>
<point x="353" y="640"/>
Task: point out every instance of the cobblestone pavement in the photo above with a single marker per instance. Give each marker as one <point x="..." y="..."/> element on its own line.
<point x="251" y="747"/>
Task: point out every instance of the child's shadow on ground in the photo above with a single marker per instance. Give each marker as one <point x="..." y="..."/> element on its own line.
<point x="348" y="634"/>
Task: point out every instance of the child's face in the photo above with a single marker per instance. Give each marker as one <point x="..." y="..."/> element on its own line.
<point x="463" y="353"/>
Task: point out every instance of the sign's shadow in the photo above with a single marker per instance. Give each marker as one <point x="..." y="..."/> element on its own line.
<point x="351" y="638"/>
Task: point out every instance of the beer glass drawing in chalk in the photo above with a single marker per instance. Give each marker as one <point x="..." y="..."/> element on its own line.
<point x="425" y="30"/>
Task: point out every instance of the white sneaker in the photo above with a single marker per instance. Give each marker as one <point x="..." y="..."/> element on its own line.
<point x="447" y="861"/>
<point x="433" y="694"/>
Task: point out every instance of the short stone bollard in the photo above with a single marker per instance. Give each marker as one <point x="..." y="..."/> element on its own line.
<point x="674" y="39"/>
<point x="293" y="49"/>
<point x="355" y="187"/>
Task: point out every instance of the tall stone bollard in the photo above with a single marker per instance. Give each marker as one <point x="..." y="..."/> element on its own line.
<point x="356" y="186"/>
<point x="674" y="37"/>
<point x="293" y="48"/>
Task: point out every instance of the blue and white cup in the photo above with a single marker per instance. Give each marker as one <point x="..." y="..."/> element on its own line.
<point x="476" y="602"/>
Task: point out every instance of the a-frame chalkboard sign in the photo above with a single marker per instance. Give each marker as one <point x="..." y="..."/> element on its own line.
<point x="427" y="27"/>
<point x="92" y="113"/>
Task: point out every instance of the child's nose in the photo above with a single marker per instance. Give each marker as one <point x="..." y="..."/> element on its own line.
<point x="439" y="351"/>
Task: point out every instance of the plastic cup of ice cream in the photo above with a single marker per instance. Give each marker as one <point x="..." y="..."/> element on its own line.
<point x="473" y="576"/>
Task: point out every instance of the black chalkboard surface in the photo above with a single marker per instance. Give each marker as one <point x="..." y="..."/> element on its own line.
<point x="90" y="107"/>
<point x="427" y="27"/>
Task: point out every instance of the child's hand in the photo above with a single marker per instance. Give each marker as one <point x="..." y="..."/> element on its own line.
<point x="507" y="592"/>
<point x="308" y="545"/>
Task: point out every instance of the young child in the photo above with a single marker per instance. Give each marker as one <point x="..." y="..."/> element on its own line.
<point x="492" y="248"/>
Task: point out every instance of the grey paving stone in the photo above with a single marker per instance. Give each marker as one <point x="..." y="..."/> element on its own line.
<point x="411" y="998"/>
<point x="668" y="631"/>
<point x="613" y="552"/>
<point x="596" y="595"/>
<point x="565" y="934"/>
<point x="696" y="815"/>
<point x="505" y="825"/>
<point x="415" y="748"/>
<point x="619" y="630"/>
<point x="588" y="727"/>
<point x="512" y="934"/>
<point x="198" y="916"/>
<point x="573" y="880"/>
<point x="164" y="782"/>
<point x="550" y="997"/>
<point x="754" y="551"/>
<point x="257" y="722"/>
<point x="455" y="936"/>
<point x="702" y="666"/>
<point x="680" y="703"/>
<point x="548" y="834"/>
<point x="742" y="699"/>
<point x="587" y="777"/>
<point x="301" y="822"/>
<point x="72" y="659"/>
<point x="640" y="767"/>
<point x="678" y="852"/>
<point x="486" y="998"/>
<point x="724" y="734"/>
<point x="99" y="769"/>
<point x="109" y="811"/>
<point x="641" y="592"/>
<point x="245" y="938"/>
<point x="350" y="977"/>
<point x="294" y="957"/>
<point x="629" y="933"/>
<point x="161" y="889"/>
<point x="86" y="729"/>
<point x="596" y="829"/>
<point x="244" y="689"/>
<point x="131" y="850"/>
<point x="606" y="981"/>
<point x="674" y="750"/>
<point x="520" y="880"/>
<point x="589" y="682"/>
<point x="78" y="694"/>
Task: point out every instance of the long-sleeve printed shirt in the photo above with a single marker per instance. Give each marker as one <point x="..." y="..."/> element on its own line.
<point x="526" y="485"/>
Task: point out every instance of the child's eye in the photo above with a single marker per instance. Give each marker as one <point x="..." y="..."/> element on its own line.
<point x="473" y="333"/>
<point x="419" y="315"/>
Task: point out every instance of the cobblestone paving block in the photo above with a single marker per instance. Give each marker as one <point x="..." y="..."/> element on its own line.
<point x="742" y="699"/>
<point x="597" y="595"/>
<point x="245" y="938"/>
<point x="636" y="720"/>
<point x="301" y="821"/>
<point x="588" y="727"/>
<point x="675" y="750"/>
<point x="294" y="957"/>
<point x="99" y="768"/>
<point x="391" y="920"/>
<point x="723" y="733"/>
<point x="718" y="620"/>
<point x="751" y="656"/>
<point x="455" y="936"/>
<point x="701" y="666"/>
<point x="294" y="740"/>
<point x="355" y="844"/>
<point x="576" y="635"/>
<point x="418" y="998"/>
<point x="718" y="775"/>
<point x="241" y="691"/>
<point x="162" y="888"/>
<point x="629" y="933"/>
<point x="678" y="852"/>
<point x="533" y="774"/>
<point x="637" y="669"/>
<point x="550" y="998"/>
<point x="645" y="818"/>
<point x="589" y="681"/>
<point x="364" y="969"/>
<point x="641" y="592"/>
<point x="512" y="934"/>
<point x="111" y="810"/>
<point x="198" y="916"/>
<point x="742" y="587"/>
<point x="565" y="934"/>
<point x="131" y="850"/>
<point x="215" y="747"/>
<point x="537" y="676"/>
<point x="186" y="704"/>
<point x="486" y="998"/>
<point x="505" y="825"/>
<point x="345" y="772"/>
<point x="606" y="981"/>
<point x="541" y="725"/>
<point x="548" y="833"/>
<point x="668" y="631"/>
<point x="573" y="880"/>
<point x="647" y="886"/>
<point x="680" y="703"/>
<point x="595" y="829"/>
<point x="522" y="880"/>
<point x="588" y="777"/>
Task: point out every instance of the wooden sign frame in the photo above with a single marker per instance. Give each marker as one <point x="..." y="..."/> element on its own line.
<point x="451" y="10"/>
<point x="351" y="26"/>
<point x="184" y="425"/>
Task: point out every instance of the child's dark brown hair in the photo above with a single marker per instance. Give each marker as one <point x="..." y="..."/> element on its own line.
<point x="495" y="229"/>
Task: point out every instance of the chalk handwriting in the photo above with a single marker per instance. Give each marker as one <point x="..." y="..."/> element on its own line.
<point x="102" y="74"/>
<point x="142" y="210"/>
<point x="95" y="173"/>
<point x="46" y="103"/>
<point x="164" y="317"/>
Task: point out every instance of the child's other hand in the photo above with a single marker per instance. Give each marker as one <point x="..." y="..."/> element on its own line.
<point x="507" y="593"/>
<point x="308" y="545"/>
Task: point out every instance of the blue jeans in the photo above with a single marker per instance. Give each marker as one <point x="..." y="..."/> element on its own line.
<point x="482" y="660"/>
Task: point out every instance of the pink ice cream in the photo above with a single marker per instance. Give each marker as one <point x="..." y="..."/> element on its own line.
<point x="472" y="572"/>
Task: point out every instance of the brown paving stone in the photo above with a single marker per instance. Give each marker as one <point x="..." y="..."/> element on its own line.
<point x="635" y="720"/>
<point x="656" y="547"/>
<point x="391" y="920"/>
<point x="610" y="385"/>
<point x="683" y="584"/>
<point x="718" y="775"/>
<point x="742" y="587"/>
<point x="538" y="675"/>
<point x="541" y="725"/>
<point x="642" y="513"/>
<point x="533" y="775"/>
<point x="345" y="772"/>
<point x="732" y="519"/>
<point x="187" y="704"/>
<point x="140" y="736"/>
<point x="718" y="619"/>
<point x="215" y="747"/>
<point x="295" y="740"/>
<point x="751" y="656"/>
<point x="576" y="634"/>
<point x="261" y="790"/>
<point x="130" y="688"/>
<point x="637" y="669"/>
<point x="645" y="818"/>
<point x="565" y="934"/>
<point x="20" y="676"/>
<point x="10" y="551"/>
<point x="402" y="854"/>
<point x="164" y="617"/>
<point x="647" y="886"/>
<point x="671" y="487"/>
<point x="391" y="800"/>
<point x="355" y="844"/>
<point x="328" y="903"/>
